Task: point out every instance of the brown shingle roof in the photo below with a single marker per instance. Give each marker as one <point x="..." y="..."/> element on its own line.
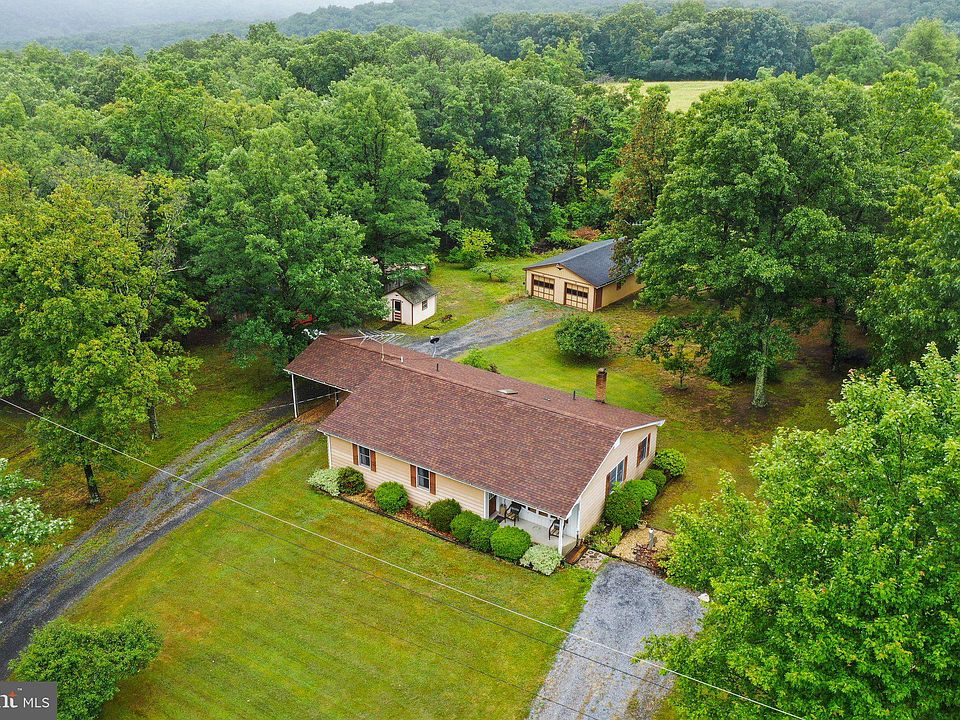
<point x="536" y="445"/>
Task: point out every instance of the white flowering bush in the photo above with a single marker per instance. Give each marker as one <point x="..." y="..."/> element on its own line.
<point x="327" y="481"/>
<point x="545" y="560"/>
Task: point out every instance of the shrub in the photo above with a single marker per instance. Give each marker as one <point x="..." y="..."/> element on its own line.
<point x="657" y="477"/>
<point x="584" y="336"/>
<point x="623" y="508"/>
<point x="643" y="490"/>
<point x="476" y="358"/>
<point x="545" y="560"/>
<point x="327" y="480"/>
<point x="462" y="525"/>
<point x="475" y="246"/>
<point x="480" y="534"/>
<point x="492" y="272"/>
<point x="440" y="513"/>
<point x="87" y="662"/>
<point x="510" y="543"/>
<point x="351" y="481"/>
<point x="391" y="497"/>
<point x="672" y="462"/>
<point x="605" y="541"/>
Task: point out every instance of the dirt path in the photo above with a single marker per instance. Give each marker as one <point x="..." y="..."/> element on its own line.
<point x="625" y="605"/>
<point x="230" y="459"/>
<point x="511" y="321"/>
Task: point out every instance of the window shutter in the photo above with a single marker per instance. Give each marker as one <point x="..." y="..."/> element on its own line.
<point x="373" y="461"/>
<point x="608" y="483"/>
<point x="356" y="456"/>
<point x="413" y="476"/>
<point x="433" y="483"/>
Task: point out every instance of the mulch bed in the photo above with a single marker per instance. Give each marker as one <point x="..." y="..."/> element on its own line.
<point x="406" y="515"/>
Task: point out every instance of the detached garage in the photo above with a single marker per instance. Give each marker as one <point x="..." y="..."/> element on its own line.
<point x="585" y="278"/>
<point x="411" y="303"/>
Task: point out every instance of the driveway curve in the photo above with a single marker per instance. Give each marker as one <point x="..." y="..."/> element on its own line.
<point x="224" y="462"/>
<point x="511" y="321"/>
<point x="625" y="605"/>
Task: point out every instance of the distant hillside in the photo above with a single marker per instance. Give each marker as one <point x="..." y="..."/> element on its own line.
<point x="426" y="14"/>
<point x="24" y="20"/>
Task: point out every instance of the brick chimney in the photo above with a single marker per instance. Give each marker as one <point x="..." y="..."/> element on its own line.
<point x="601" y="395"/>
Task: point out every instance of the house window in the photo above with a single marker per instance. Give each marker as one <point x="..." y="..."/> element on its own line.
<point x="615" y="476"/>
<point x="423" y="478"/>
<point x="363" y="456"/>
<point x="619" y="284"/>
<point x="424" y="304"/>
<point x="576" y="296"/>
<point x="543" y="287"/>
<point x="644" y="449"/>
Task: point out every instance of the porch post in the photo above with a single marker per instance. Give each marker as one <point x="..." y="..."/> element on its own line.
<point x="560" y="538"/>
<point x="293" y="386"/>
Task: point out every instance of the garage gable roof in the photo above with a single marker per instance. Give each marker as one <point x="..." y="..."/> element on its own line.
<point x="593" y="262"/>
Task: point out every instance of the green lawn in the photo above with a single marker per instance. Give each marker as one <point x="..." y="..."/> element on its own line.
<point x="466" y="296"/>
<point x="683" y="93"/>
<point x="714" y="425"/>
<point x="256" y="627"/>
<point x="224" y="392"/>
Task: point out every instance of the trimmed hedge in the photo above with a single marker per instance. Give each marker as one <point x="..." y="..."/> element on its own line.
<point x="510" y="543"/>
<point x="326" y="480"/>
<point x="643" y="490"/>
<point x="351" y="481"/>
<point x="462" y="525"/>
<point x="391" y="497"/>
<point x="623" y="508"/>
<point x="440" y="513"/>
<point x="657" y="477"/>
<point x="545" y="560"/>
<point x="481" y="533"/>
<point x="670" y="461"/>
<point x="584" y="336"/>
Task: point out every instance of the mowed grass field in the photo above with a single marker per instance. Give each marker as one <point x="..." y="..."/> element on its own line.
<point x="683" y="93"/>
<point x="272" y="626"/>
<point x="714" y="425"/>
<point x="224" y="392"/>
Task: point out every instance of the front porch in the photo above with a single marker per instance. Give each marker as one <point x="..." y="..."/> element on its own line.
<point x="540" y="535"/>
<point x="544" y="528"/>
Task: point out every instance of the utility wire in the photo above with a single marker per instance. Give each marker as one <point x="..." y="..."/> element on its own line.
<point x="414" y="573"/>
<point x="340" y="613"/>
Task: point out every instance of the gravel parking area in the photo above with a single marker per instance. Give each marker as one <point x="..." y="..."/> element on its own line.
<point x="511" y="321"/>
<point x="625" y="605"/>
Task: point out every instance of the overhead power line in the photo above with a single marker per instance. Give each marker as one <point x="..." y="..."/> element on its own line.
<point x="408" y="571"/>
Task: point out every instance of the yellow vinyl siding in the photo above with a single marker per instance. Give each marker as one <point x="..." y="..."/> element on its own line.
<point x="610" y="294"/>
<point x="562" y="278"/>
<point x="389" y="468"/>
<point x="594" y="497"/>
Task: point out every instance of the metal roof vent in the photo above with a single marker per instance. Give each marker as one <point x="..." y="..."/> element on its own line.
<point x="507" y="391"/>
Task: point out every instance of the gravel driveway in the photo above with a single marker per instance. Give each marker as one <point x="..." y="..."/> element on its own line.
<point x="625" y="605"/>
<point x="162" y="504"/>
<point x="511" y="321"/>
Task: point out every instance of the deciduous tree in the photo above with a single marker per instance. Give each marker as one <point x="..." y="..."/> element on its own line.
<point x="836" y="593"/>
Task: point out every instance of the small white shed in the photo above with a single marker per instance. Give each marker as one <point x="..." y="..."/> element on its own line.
<point x="411" y="303"/>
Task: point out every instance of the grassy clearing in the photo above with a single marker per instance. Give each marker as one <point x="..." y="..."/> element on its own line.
<point x="466" y="296"/>
<point x="224" y="392"/>
<point x="255" y="626"/>
<point x="714" y="425"/>
<point x="683" y="93"/>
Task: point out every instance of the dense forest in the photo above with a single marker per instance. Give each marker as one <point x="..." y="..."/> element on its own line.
<point x="545" y="20"/>
<point x="273" y="184"/>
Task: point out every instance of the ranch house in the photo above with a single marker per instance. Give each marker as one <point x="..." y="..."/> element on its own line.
<point x="521" y="453"/>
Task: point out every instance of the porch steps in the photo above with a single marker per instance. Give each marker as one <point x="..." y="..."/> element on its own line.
<point x="574" y="555"/>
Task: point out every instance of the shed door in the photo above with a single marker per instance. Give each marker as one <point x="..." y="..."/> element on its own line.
<point x="397" y="310"/>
